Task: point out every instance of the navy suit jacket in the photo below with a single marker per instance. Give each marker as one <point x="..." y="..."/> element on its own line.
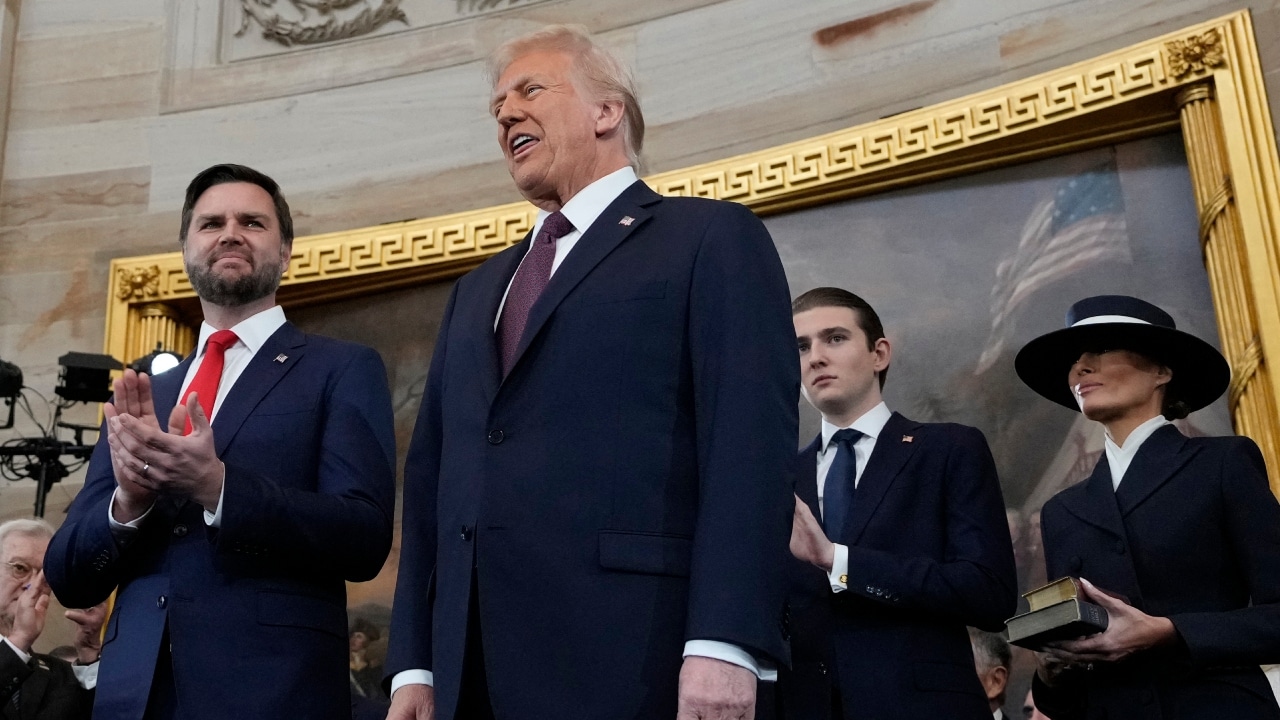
<point x="625" y="487"/>
<point x="929" y="555"/>
<point x="256" y="609"/>
<point x="1191" y="534"/>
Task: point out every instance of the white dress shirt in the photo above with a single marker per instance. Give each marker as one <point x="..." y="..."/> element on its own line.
<point x="251" y="334"/>
<point x="870" y="424"/>
<point x="1119" y="456"/>
<point x="582" y="210"/>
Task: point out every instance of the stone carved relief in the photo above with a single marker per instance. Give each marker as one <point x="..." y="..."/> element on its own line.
<point x="318" y="20"/>
<point x="476" y="6"/>
<point x="285" y="25"/>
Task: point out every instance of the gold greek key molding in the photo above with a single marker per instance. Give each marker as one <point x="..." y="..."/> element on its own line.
<point x="1196" y="54"/>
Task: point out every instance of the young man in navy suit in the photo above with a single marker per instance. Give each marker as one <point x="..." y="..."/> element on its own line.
<point x="901" y="529"/>
<point x="229" y="499"/>
<point x="596" y="500"/>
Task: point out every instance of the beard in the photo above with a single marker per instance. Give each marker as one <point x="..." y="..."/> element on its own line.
<point x="235" y="291"/>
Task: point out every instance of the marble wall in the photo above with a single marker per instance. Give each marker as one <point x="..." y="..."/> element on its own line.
<point x="110" y="107"/>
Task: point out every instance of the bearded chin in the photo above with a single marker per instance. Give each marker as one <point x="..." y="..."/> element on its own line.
<point x="238" y="291"/>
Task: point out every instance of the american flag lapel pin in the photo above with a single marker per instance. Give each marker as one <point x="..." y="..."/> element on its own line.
<point x="626" y="220"/>
<point x="908" y="438"/>
<point x="281" y="358"/>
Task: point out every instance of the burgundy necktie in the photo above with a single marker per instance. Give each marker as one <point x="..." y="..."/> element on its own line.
<point x="205" y="383"/>
<point x="530" y="280"/>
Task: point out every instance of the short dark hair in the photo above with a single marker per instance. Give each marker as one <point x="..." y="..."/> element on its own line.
<point x="865" y="315"/>
<point x="229" y="173"/>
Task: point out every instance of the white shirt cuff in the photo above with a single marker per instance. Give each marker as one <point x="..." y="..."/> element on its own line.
<point x="717" y="650"/>
<point x="214" y="519"/>
<point x="86" y="675"/>
<point x="23" y="656"/>
<point x="839" y="575"/>
<point x="412" y="677"/>
<point x="116" y="525"/>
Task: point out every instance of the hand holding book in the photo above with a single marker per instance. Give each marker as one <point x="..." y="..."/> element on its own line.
<point x="1128" y="630"/>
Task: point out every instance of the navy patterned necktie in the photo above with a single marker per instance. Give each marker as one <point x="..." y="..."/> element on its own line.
<point x="838" y="493"/>
<point x="529" y="282"/>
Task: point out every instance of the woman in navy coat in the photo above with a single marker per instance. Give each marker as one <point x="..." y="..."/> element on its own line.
<point x="1177" y="538"/>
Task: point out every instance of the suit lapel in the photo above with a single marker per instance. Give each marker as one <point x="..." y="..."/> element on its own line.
<point x="605" y="234"/>
<point x="892" y="451"/>
<point x="1097" y="504"/>
<point x="1162" y="455"/>
<point x="258" y="378"/>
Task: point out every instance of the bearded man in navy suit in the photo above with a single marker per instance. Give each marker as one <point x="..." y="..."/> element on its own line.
<point x="901" y="530"/>
<point x="596" y="496"/>
<point x="231" y="542"/>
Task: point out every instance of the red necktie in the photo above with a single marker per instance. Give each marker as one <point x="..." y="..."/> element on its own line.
<point x="530" y="280"/>
<point x="205" y="383"/>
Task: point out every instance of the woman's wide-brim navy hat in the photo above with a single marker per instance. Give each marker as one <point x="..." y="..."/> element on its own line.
<point x="1120" y="322"/>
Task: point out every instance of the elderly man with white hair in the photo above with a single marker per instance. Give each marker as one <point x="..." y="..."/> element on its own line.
<point x="40" y="687"/>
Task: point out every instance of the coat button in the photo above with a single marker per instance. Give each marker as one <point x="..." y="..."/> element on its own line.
<point x="162" y="602"/>
<point x="1074" y="565"/>
<point x="495" y="437"/>
<point x="1119" y="547"/>
<point x="466" y="532"/>
<point x="180" y="530"/>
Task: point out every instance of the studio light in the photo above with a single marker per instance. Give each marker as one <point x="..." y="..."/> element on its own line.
<point x="10" y="389"/>
<point x="86" y="377"/>
<point x="156" y="361"/>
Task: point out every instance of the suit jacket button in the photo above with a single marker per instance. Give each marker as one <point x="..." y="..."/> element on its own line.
<point x="1074" y="565"/>
<point x="1120" y="547"/>
<point x="495" y="437"/>
<point x="162" y="602"/>
<point x="466" y="532"/>
<point x="180" y="530"/>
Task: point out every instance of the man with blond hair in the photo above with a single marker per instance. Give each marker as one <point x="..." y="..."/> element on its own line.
<point x="596" y="502"/>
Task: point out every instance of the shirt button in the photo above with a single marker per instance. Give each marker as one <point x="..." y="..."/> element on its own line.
<point x="162" y="602"/>
<point x="466" y="532"/>
<point x="495" y="437"/>
<point x="180" y="530"/>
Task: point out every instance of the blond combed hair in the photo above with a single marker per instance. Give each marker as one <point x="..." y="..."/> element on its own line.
<point x="600" y="73"/>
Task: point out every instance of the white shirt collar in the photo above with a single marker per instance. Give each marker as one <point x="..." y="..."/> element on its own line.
<point x="583" y="208"/>
<point x="252" y="332"/>
<point x="870" y="424"/>
<point x="1119" y="457"/>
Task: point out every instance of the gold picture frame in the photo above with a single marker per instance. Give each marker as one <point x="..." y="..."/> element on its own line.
<point x="1205" y="79"/>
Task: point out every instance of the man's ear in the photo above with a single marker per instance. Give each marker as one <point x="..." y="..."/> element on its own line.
<point x="609" y="115"/>
<point x="884" y="354"/>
